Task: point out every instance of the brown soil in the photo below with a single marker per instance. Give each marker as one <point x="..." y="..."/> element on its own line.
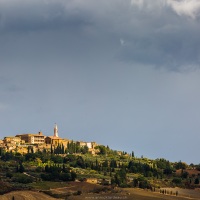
<point x="94" y="191"/>
<point x="97" y="192"/>
<point x="25" y="195"/>
<point x="190" y="172"/>
<point x="84" y="187"/>
<point x="129" y="194"/>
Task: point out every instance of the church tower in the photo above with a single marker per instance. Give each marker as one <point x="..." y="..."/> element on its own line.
<point x="55" y="130"/>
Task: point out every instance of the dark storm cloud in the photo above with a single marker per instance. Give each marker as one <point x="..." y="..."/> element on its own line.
<point x="162" y="33"/>
<point x="37" y="15"/>
<point x="159" y="33"/>
<point x="161" y="37"/>
<point x="171" y="50"/>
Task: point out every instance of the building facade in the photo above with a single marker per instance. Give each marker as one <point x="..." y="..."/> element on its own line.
<point x="32" y="138"/>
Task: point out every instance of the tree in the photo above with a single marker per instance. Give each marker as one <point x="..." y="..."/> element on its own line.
<point x="196" y="181"/>
<point x="65" y="176"/>
<point x="62" y="149"/>
<point x="2" y="151"/>
<point x="167" y="171"/>
<point x="80" y="162"/>
<point x="96" y="164"/>
<point x="73" y="176"/>
<point x="9" y="174"/>
<point x="120" y="177"/>
<point x="102" y="149"/>
<point x="176" y="180"/>
<point x="51" y="149"/>
<point x="141" y="182"/>
<point x="113" y="163"/>
<point x="180" y="165"/>
<point x="30" y="156"/>
<point x="21" y="168"/>
<point x="46" y="168"/>
<point x="105" y="163"/>
<point x="57" y="159"/>
<point x="185" y="174"/>
<point x="198" y="167"/>
<point x="19" y="157"/>
<point x="7" y="156"/>
<point x="22" y="178"/>
<point x="84" y="149"/>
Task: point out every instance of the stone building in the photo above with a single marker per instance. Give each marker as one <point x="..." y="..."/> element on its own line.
<point x="12" y="140"/>
<point x="90" y="145"/>
<point x="30" y="138"/>
<point x="55" y="139"/>
<point x="1" y="143"/>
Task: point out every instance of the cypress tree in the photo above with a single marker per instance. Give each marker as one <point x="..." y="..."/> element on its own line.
<point x="196" y="181"/>
<point x="51" y="149"/>
<point x="21" y="168"/>
<point x="63" y="149"/>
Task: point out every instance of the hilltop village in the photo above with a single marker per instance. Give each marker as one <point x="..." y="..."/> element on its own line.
<point x="65" y="168"/>
<point x="33" y="142"/>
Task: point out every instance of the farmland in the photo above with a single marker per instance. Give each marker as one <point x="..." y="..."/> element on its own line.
<point x="106" y="175"/>
<point x="92" y="191"/>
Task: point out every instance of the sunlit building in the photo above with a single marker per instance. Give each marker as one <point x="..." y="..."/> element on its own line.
<point x="55" y="139"/>
<point x="30" y="138"/>
<point x="12" y="140"/>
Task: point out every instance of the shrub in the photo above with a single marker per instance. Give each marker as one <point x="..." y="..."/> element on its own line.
<point x="65" y="176"/>
<point x="144" y="184"/>
<point x="47" y="177"/>
<point x="185" y="174"/>
<point x="21" y="178"/>
<point x="39" y="169"/>
<point x="73" y="176"/>
<point x="9" y="174"/>
<point x="78" y="192"/>
<point x="5" y="187"/>
<point x="177" y="180"/>
<point x="196" y="181"/>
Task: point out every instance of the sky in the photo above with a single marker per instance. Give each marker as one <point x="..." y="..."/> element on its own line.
<point x="123" y="73"/>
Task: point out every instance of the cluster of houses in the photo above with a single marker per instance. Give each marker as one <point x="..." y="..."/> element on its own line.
<point x="22" y="143"/>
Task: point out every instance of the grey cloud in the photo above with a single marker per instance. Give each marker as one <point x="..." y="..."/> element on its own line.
<point x="188" y="8"/>
<point x="160" y="37"/>
<point x="168" y="49"/>
<point x="83" y="64"/>
<point x="153" y="31"/>
<point x="38" y="15"/>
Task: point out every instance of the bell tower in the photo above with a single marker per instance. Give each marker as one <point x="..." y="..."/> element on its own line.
<point x="55" y="130"/>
